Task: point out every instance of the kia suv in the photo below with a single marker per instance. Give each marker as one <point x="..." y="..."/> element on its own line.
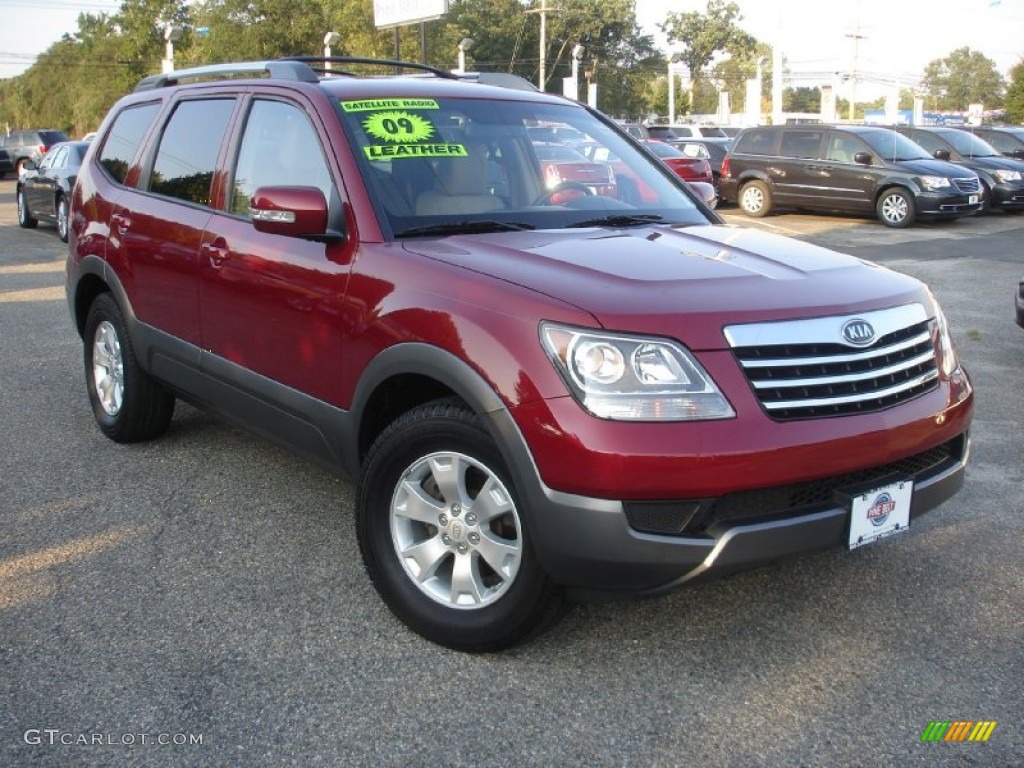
<point x="29" y="146"/>
<point x="543" y="391"/>
<point x="854" y="169"/>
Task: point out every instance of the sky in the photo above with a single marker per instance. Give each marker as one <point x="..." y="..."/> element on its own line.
<point x="894" y="37"/>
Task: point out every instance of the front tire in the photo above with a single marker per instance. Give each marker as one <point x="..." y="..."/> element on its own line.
<point x="442" y="535"/>
<point x="756" y="199"/>
<point x="128" y="404"/>
<point x="895" y="208"/>
<point x="25" y="220"/>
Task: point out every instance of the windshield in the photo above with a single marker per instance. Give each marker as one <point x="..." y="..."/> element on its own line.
<point x="969" y="145"/>
<point x="894" y="146"/>
<point x="436" y="166"/>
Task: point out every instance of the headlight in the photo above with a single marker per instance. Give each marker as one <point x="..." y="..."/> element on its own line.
<point x="1004" y="176"/>
<point x="935" y="182"/>
<point x="633" y="378"/>
<point x="948" y="362"/>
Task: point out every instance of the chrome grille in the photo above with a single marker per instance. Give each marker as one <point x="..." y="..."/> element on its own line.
<point x="968" y="185"/>
<point x="805" y="369"/>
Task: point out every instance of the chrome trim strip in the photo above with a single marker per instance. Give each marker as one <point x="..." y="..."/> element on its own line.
<point x="855" y="357"/>
<point x="860" y="397"/>
<point x="872" y="374"/>
<point x="823" y="330"/>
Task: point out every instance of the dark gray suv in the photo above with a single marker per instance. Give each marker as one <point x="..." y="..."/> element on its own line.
<point x="23" y="146"/>
<point x="858" y="169"/>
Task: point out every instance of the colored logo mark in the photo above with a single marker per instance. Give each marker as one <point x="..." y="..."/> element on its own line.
<point x="880" y="510"/>
<point x="958" y="730"/>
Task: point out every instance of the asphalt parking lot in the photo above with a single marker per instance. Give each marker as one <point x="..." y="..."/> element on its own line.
<point x="199" y="600"/>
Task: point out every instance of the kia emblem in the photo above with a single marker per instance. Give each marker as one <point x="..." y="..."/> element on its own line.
<point x="858" y="332"/>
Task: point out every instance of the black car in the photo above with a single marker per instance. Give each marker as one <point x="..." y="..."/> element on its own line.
<point x="858" y="169"/>
<point x="43" y="192"/>
<point x="717" y="149"/>
<point x="1001" y="177"/>
<point x="1007" y="139"/>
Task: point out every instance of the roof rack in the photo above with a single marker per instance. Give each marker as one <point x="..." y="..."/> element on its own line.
<point x="324" y="69"/>
<point x="283" y="69"/>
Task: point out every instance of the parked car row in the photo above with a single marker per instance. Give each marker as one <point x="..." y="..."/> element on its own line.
<point x="901" y="175"/>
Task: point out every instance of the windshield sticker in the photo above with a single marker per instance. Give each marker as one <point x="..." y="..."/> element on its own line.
<point x="398" y="127"/>
<point x="399" y="151"/>
<point x="371" y="105"/>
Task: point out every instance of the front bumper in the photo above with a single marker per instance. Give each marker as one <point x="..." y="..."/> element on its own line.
<point x="636" y="524"/>
<point x="1009" y="196"/>
<point x="954" y="204"/>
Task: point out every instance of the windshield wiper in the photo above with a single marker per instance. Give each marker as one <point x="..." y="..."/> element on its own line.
<point x="466" y="228"/>
<point x="619" y="220"/>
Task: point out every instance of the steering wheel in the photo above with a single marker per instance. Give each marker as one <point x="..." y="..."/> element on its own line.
<point x="546" y="196"/>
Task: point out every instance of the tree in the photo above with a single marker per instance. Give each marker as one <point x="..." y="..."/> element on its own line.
<point x="801" y="100"/>
<point x="1015" y="95"/>
<point x="964" y="77"/>
<point x="741" y="66"/>
<point x="706" y="34"/>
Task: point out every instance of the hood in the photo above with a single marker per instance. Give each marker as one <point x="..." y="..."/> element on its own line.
<point x="685" y="283"/>
<point x="993" y="163"/>
<point x="929" y="167"/>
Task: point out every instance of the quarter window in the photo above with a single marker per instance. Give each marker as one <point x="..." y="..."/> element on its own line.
<point x="756" y="142"/>
<point x="187" y="156"/>
<point x="279" y="148"/>
<point x="123" y="140"/>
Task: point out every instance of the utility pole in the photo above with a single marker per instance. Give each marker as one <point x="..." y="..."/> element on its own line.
<point x="543" y="11"/>
<point x="857" y="37"/>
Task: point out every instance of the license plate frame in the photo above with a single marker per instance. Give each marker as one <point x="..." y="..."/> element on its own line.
<point x="879" y="512"/>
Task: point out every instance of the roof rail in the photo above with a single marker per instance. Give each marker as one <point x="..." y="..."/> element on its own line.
<point x="284" y="69"/>
<point x="323" y="61"/>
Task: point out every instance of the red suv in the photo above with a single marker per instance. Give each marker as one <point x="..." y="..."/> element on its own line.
<point x="539" y="395"/>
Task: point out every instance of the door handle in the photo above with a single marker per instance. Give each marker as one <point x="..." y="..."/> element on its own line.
<point x="217" y="251"/>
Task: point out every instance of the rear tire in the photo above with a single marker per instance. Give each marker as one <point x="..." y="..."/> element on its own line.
<point x="442" y="535"/>
<point x="755" y="199"/>
<point x="128" y="404"/>
<point x="895" y="208"/>
<point x="63" y="222"/>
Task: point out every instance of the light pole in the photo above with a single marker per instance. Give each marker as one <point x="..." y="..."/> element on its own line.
<point x="464" y="45"/>
<point x="329" y="39"/>
<point x="577" y="54"/>
<point x="171" y="36"/>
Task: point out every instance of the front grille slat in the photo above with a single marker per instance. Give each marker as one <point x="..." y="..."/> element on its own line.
<point x="816" y="375"/>
<point x="968" y="184"/>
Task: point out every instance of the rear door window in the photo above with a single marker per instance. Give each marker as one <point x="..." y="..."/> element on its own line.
<point x="123" y="140"/>
<point x="187" y="156"/>
<point x="801" y="144"/>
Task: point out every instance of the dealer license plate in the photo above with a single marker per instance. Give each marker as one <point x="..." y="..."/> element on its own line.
<point x="972" y="199"/>
<point x="880" y="512"/>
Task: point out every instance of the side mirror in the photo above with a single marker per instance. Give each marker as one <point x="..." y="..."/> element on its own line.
<point x="862" y="158"/>
<point x="941" y="154"/>
<point x="1018" y="153"/>
<point x="29" y="165"/>
<point x="705" y="192"/>
<point x="292" y="212"/>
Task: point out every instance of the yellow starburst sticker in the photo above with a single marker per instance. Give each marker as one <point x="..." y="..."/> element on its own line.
<point x="398" y="127"/>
